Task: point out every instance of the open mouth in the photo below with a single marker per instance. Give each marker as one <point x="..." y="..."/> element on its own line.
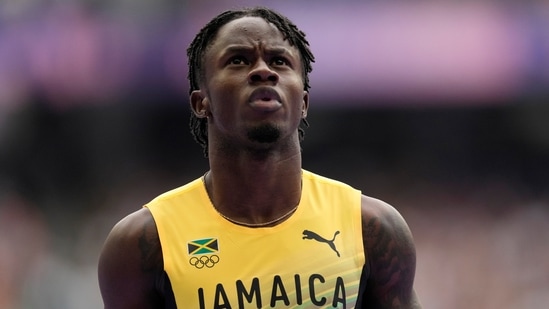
<point x="264" y="94"/>
<point x="265" y="99"/>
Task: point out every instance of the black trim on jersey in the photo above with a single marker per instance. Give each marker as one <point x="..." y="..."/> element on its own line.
<point x="362" y="286"/>
<point x="165" y="290"/>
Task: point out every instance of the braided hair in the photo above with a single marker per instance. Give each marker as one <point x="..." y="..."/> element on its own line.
<point x="197" y="50"/>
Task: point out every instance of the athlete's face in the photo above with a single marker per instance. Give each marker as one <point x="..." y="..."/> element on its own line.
<point x="253" y="90"/>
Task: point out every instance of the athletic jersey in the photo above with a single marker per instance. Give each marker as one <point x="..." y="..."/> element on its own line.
<point x="313" y="259"/>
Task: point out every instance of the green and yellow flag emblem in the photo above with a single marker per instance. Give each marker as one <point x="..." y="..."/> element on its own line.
<point x="202" y="246"/>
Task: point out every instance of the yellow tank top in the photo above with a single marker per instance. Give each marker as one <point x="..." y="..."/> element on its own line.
<point x="313" y="259"/>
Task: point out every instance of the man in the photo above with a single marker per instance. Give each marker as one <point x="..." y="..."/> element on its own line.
<point x="257" y="230"/>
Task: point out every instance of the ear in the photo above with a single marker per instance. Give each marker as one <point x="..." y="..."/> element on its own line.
<point x="200" y="104"/>
<point x="305" y="106"/>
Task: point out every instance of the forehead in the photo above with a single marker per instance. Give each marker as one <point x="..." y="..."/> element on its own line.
<point x="249" y="30"/>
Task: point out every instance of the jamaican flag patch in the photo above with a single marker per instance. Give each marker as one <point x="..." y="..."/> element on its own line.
<point x="203" y="246"/>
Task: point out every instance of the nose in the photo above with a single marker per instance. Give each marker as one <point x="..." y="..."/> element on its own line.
<point x="262" y="72"/>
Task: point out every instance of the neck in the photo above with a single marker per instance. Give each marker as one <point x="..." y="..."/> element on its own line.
<point x="253" y="190"/>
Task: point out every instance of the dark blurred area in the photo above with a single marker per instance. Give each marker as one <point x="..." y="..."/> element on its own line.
<point x="440" y="109"/>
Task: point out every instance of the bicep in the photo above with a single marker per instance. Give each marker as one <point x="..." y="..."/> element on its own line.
<point x="129" y="263"/>
<point x="391" y="257"/>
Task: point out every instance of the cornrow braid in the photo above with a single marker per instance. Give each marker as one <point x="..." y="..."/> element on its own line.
<point x="205" y="37"/>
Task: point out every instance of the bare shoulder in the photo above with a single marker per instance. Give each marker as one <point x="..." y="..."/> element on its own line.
<point x="391" y="255"/>
<point x="135" y="238"/>
<point x="377" y="213"/>
<point x="130" y="263"/>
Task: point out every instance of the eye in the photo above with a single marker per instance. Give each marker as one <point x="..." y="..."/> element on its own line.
<point x="280" y="61"/>
<point x="238" y="60"/>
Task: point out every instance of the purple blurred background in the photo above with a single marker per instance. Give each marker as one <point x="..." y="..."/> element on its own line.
<point x="440" y="108"/>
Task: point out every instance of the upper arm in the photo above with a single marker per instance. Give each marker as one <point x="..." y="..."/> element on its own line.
<point x="130" y="263"/>
<point x="391" y="257"/>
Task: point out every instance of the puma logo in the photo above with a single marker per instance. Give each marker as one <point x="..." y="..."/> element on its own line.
<point x="312" y="235"/>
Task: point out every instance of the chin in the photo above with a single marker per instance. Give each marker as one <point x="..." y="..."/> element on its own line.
<point x="265" y="134"/>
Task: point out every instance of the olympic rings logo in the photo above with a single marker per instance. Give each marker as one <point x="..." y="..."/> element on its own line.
<point x="205" y="260"/>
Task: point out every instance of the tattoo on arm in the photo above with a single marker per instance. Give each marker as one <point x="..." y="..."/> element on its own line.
<point x="149" y="246"/>
<point x="392" y="262"/>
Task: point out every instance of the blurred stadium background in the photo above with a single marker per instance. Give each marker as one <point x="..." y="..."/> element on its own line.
<point x="440" y="108"/>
